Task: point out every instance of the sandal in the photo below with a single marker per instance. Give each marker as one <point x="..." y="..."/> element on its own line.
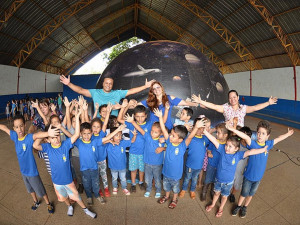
<point x="209" y="208"/>
<point x="219" y="213"/>
<point x="173" y="204"/>
<point x="163" y="199"/>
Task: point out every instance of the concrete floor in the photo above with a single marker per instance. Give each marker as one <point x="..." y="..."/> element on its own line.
<point x="277" y="200"/>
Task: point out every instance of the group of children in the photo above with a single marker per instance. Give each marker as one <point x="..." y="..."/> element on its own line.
<point x="158" y="154"/>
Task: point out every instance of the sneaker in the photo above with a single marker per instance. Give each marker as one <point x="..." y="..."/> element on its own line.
<point x="142" y="186"/>
<point x="236" y="211"/>
<point x="101" y="200"/>
<point x="181" y="194"/>
<point x="115" y="191"/>
<point x="193" y="195"/>
<point x="243" y="211"/>
<point x="126" y="192"/>
<point x="89" y="201"/>
<point x="133" y="188"/>
<point x="157" y="195"/>
<point x="106" y="192"/>
<point x="89" y="213"/>
<point x="50" y="208"/>
<point x="35" y="205"/>
<point x="147" y="194"/>
<point x="231" y="198"/>
<point x="80" y="188"/>
<point x="70" y="211"/>
<point x="100" y="193"/>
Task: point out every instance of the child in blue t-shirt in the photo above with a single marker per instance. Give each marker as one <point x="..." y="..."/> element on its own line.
<point x="213" y="159"/>
<point x="58" y="153"/>
<point x="185" y="118"/>
<point x="194" y="162"/>
<point x="177" y="144"/>
<point x="23" y="144"/>
<point x="116" y="154"/>
<point x="136" y="151"/>
<point x="256" y="164"/>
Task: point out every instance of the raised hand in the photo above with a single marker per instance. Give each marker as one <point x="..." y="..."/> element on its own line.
<point x="35" y="104"/>
<point x="134" y="132"/>
<point x="97" y="106"/>
<point x="148" y="83"/>
<point x="109" y="108"/>
<point x="53" y="132"/>
<point x="273" y="100"/>
<point x="290" y="132"/>
<point x="129" y="118"/>
<point x="201" y="123"/>
<point x="124" y="103"/>
<point x="167" y="105"/>
<point x="196" y="99"/>
<point x="66" y="102"/>
<point x="157" y="112"/>
<point x="228" y="125"/>
<point x="52" y="107"/>
<point x="80" y="100"/>
<point x="85" y="105"/>
<point x="116" y="106"/>
<point x="64" y="79"/>
<point x="121" y="127"/>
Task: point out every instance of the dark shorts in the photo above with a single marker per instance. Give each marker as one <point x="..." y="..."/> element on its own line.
<point x="34" y="184"/>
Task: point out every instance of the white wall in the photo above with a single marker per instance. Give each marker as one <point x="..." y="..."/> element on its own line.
<point x="31" y="81"/>
<point x="277" y="82"/>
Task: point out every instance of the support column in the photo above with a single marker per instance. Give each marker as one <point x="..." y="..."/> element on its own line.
<point x="250" y="82"/>
<point x="295" y="82"/>
<point x="18" y="83"/>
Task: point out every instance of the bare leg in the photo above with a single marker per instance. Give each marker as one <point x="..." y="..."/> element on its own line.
<point x="82" y="205"/>
<point x="141" y="176"/>
<point x="241" y="199"/>
<point x="168" y="194"/>
<point x="133" y="176"/>
<point x="223" y="201"/>
<point x="33" y="195"/>
<point x="248" y="200"/>
<point x="175" y="196"/>
<point x="215" y="198"/>
<point x="46" y="199"/>
<point x="67" y="201"/>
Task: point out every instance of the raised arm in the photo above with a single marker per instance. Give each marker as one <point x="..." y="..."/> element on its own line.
<point x="139" y="89"/>
<point x="5" y="129"/>
<point x="66" y="81"/>
<point x="134" y="135"/>
<point x="96" y="110"/>
<point x="212" y="139"/>
<point x="110" y="136"/>
<point x="164" y="130"/>
<point x="130" y="119"/>
<point x="67" y="119"/>
<point x="85" y="107"/>
<point x="239" y="133"/>
<point x="124" y="108"/>
<point x="197" y="99"/>
<point x="271" y="101"/>
<point x="77" y="127"/>
<point x="167" y="108"/>
<point x="199" y="124"/>
<point x="52" y="132"/>
<point x="283" y="136"/>
<point x="256" y="151"/>
<point x="37" y="144"/>
<point x="108" y="111"/>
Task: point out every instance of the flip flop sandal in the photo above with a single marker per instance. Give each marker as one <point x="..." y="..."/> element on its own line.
<point x="219" y="213"/>
<point x="173" y="204"/>
<point x="163" y="200"/>
<point x="208" y="208"/>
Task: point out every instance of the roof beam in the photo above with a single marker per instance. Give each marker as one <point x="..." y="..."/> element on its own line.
<point x="39" y="37"/>
<point x="9" y="12"/>
<point x="277" y="29"/>
<point x="153" y="33"/>
<point x="188" y="39"/>
<point x="250" y="62"/>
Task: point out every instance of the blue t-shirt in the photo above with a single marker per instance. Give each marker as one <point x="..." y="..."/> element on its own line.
<point x="24" y="154"/>
<point x="173" y="102"/>
<point x="196" y="152"/>
<point x="101" y="150"/>
<point x="215" y="159"/>
<point x="101" y="97"/>
<point x="88" y="153"/>
<point x="173" y="164"/>
<point x="117" y="155"/>
<point x="137" y="147"/>
<point x="257" y="163"/>
<point x="150" y="157"/>
<point x="227" y="165"/>
<point x="59" y="161"/>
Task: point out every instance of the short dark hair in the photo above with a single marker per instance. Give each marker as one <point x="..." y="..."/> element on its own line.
<point x="264" y="124"/>
<point x="102" y="106"/>
<point x="85" y="126"/>
<point x="234" y="91"/>
<point x="19" y="117"/>
<point x="200" y="118"/>
<point x="236" y="141"/>
<point x="54" y="116"/>
<point x="44" y="101"/>
<point x="181" y="131"/>
<point x="111" y="121"/>
<point x="189" y="111"/>
<point x="96" y="120"/>
<point x="223" y="128"/>
<point x="139" y="109"/>
<point x="156" y="124"/>
<point x="246" y="130"/>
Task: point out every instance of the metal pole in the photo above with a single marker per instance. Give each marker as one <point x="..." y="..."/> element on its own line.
<point x="295" y="82"/>
<point x="250" y="82"/>
<point x="18" y="83"/>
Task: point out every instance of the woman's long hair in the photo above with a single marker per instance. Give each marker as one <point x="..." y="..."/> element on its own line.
<point x="152" y="101"/>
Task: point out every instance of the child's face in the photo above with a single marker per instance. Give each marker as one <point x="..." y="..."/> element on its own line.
<point x="96" y="127"/>
<point x="230" y="148"/>
<point x="103" y="112"/>
<point x="117" y="138"/>
<point x="184" y="116"/>
<point x="86" y="135"/>
<point x="262" y="135"/>
<point x="155" y="132"/>
<point x="19" y="127"/>
<point x="140" y="117"/>
<point x="207" y="126"/>
<point x="220" y="135"/>
<point x="200" y="131"/>
<point x="174" y="137"/>
<point x="44" y="108"/>
<point x="243" y="142"/>
<point x="55" y="141"/>
<point x="73" y="122"/>
<point x="55" y="121"/>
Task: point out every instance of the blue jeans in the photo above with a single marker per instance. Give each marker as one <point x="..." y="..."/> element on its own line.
<point x="210" y="174"/>
<point x="90" y="180"/>
<point x="171" y="184"/>
<point x="190" y="173"/>
<point x="153" y="171"/>
<point x="224" y="188"/>
<point x="122" y="175"/>
<point x="249" y="188"/>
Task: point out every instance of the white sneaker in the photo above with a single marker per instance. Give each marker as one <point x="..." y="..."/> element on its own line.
<point x="115" y="191"/>
<point x="126" y="192"/>
<point x="70" y="211"/>
<point x="89" y="213"/>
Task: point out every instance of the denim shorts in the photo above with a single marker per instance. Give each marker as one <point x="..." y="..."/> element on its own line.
<point x="249" y="188"/>
<point x="171" y="184"/>
<point x="136" y="162"/>
<point x="224" y="188"/>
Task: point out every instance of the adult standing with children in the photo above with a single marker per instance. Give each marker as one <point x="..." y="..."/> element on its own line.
<point x="232" y="109"/>
<point x="105" y="95"/>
